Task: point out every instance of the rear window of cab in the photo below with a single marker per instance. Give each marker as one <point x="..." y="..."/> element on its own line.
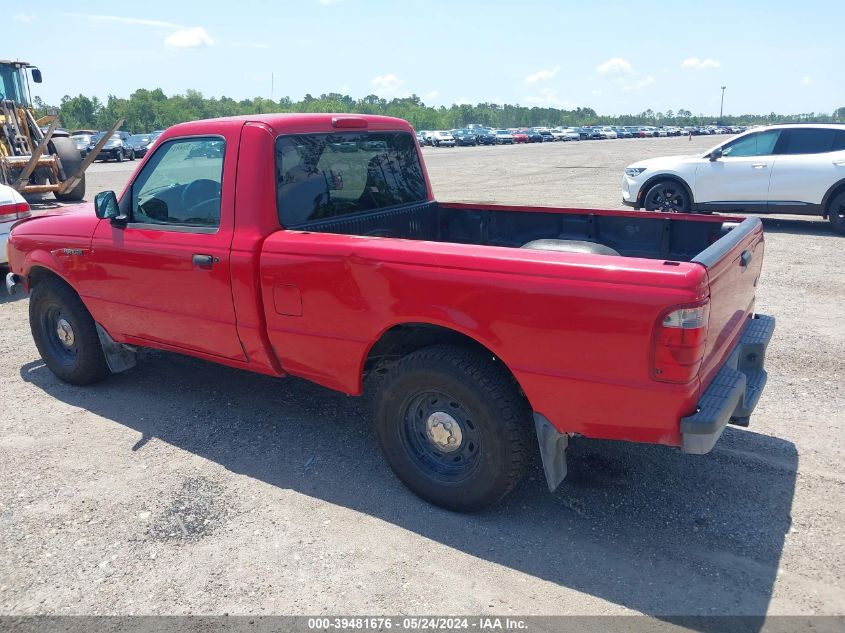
<point x="321" y="176"/>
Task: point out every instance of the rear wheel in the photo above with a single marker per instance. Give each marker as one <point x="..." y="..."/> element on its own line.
<point x="668" y="196"/>
<point x="119" y="156"/>
<point x="836" y="214"/>
<point x="65" y="334"/>
<point x="453" y="427"/>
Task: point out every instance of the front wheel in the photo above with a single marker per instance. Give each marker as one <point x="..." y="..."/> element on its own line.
<point x="65" y="334"/>
<point x="836" y="214"/>
<point x="119" y="158"/>
<point x="668" y="196"/>
<point x="453" y="427"/>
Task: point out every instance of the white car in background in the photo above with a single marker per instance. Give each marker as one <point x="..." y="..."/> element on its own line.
<point x="609" y="132"/>
<point x="442" y="139"/>
<point x="777" y="169"/>
<point x="12" y="208"/>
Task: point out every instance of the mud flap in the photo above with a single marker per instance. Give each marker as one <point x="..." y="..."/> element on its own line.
<point x="552" y="451"/>
<point x="118" y="357"/>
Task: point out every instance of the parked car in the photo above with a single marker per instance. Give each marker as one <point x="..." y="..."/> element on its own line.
<point x="421" y="137"/>
<point x="141" y="143"/>
<point x="13" y="207"/>
<point x="83" y="141"/>
<point x="485" y="136"/>
<point x="609" y="132"/>
<point x="503" y="137"/>
<point x="584" y="133"/>
<point x="597" y="134"/>
<point x="557" y="135"/>
<point x="519" y="136"/>
<point x="621" y="132"/>
<point x="492" y="338"/>
<point x="779" y="169"/>
<point x="465" y="137"/>
<point x="533" y="135"/>
<point x="570" y="134"/>
<point x="116" y="148"/>
<point x="442" y="139"/>
<point x="546" y="133"/>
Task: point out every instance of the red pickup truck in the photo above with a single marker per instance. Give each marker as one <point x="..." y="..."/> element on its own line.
<point x="311" y="245"/>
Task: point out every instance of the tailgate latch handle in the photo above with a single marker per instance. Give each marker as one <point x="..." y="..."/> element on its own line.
<point x="745" y="259"/>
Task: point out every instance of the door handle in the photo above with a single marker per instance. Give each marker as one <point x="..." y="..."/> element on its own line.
<point x="745" y="259"/>
<point x="758" y="165"/>
<point x="203" y="261"/>
<point x="839" y="163"/>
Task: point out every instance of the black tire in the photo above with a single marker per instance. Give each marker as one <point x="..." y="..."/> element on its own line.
<point x="119" y="156"/>
<point x="836" y="214"/>
<point x="668" y="196"/>
<point x="71" y="159"/>
<point x="455" y="396"/>
<point x="131" y="154"/>
<point x="78" y="359"/>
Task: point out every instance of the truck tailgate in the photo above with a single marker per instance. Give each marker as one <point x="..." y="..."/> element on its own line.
<point x="733" y="266"/>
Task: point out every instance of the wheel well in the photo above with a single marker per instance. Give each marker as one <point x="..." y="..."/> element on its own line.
<point x="37" y="274"/>
<point x="404" y="339"/>
<point x="648" y="184"/>
<point x="834" y="191"/>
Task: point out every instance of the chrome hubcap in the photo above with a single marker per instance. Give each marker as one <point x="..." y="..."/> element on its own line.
<point x="444" y="431"/>
<point x="65" y="333"/>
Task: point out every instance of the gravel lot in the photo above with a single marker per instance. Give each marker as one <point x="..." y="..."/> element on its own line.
<point x="185" y="487"/>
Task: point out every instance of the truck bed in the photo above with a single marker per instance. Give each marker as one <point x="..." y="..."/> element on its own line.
<point x="678" y="237"/>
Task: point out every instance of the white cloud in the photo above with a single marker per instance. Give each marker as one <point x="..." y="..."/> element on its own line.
<point x="615" y="66"/>
<point x="463" y="101"/>
<point x="700" y="64"/>
<point x="326" y="3"/>
<point x="645" y="82"/>
<point x="806" y="81"/>
<point x="124" y="20"/>
<point x="194" y="37"/>
<point x="542" y="75"/>
<point x="387" y="85"/>
<point x="429" y="96"/>
<point x="26" y="18"/>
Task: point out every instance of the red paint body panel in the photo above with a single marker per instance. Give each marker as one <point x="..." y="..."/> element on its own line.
<point x="575" y="329"/>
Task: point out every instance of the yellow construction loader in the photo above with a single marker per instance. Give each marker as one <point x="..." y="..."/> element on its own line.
<point x="35" y="156"/>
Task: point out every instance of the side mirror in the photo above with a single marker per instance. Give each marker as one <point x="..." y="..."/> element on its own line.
<point x="716" y="154"/>
<point x="36" y="75"/>
<point x="106" y="208"/>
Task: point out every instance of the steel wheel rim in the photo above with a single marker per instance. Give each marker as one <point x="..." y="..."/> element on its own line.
<point x="426" y="419"/>
<point x="60" y="335"/>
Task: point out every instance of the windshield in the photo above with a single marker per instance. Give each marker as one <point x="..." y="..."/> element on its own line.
<point x="321" y="176"/>
<point x="11" y="84"/>
<point x="138" y="139"/>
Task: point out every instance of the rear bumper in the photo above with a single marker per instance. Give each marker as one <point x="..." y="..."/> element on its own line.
<point x="734" y="392"/>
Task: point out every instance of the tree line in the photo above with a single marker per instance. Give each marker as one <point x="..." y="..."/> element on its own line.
<point x="148" y="110"/>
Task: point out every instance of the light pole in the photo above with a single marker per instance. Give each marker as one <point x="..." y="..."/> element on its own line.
<point x="722" y="106"/>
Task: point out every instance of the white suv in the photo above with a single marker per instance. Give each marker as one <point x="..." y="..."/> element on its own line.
<point x="776" y="169"/>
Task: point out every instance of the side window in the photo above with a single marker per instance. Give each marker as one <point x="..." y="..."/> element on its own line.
<point x="809" y="141"/>
<point x="180" y="184"/>
<point x="839" y="141"/>
<point x="759" y="144"/>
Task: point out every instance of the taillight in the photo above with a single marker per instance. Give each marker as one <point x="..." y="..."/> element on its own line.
<point x="679" y="340"/>
<point x="14" y="211"/>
